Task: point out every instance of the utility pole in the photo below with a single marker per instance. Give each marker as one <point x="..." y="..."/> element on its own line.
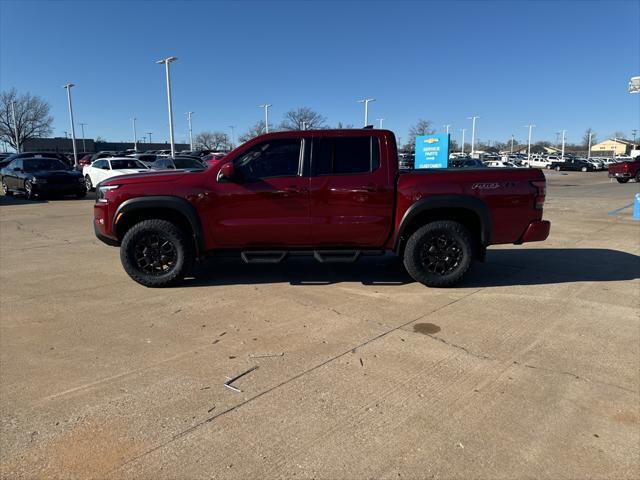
<point x="135" y="136"/>
<point x="190" y="130"/>
<point x="366" y="108"/>
<point x="266" y="116"/>
<point x="634" y="132"/>
<point x="463" y="130"/>
<point x="15" y="125"/>
<point x="166" y="62"/>
<point x="233" y="141"/>
<point x="381" y="120"/>
<point x="73" y="128"/>
<point x="563" y="137"/>
<point x="473" y="132"/>
<point x="82" y="125"/>
<point x="530" y="126"/>
<point x="446" y="128"/>
<point x="149" y="133"/>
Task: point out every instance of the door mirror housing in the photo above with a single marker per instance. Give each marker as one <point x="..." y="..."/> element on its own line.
<point x="227" y="172"/>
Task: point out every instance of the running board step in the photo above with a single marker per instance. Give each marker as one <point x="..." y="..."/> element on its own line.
<point x="336" y="256"/>
<point x="267" y="256"/>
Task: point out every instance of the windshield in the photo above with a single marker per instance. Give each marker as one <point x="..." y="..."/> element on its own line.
<point x="124" y="164"/>
<point x="33" y="165"/>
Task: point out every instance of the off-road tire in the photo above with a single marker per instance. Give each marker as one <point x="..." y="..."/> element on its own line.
<point x="622" y="180"/>
<point x="5" y="189"/>
<point x="137" y="239"/>
<point x="455" y="260"/>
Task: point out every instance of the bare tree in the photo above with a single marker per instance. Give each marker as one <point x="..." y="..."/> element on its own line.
<point x="619" y="135"/>
<point x="341" y="125"/>
<point x="32" y="119"/>
<point x="302" y="118"/>
<point x="423" y="127"/>
<point x="257" y="129"/>
<point x="585" y="137"/>
<point x="212" y="141"/>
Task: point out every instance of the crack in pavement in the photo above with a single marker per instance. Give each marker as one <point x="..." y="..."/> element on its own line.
<point x="191" y="429"/>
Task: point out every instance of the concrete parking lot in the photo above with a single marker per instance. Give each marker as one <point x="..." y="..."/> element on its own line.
<point x="530" y="368"/>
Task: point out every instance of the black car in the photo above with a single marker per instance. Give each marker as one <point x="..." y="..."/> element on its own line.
<point x="187" y="163"/>
<point x="466" y="163"/>
<point x="573" y="165"/>
<point x="41" y="177"/>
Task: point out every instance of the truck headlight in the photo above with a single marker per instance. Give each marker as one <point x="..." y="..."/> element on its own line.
<point x="102" y="191"/>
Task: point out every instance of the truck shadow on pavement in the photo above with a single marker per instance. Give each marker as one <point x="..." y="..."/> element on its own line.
<point x="504" y="267"/>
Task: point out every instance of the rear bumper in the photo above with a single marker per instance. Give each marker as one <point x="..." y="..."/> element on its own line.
<point x="619" y="175"/>
<point x="537" y="231"/>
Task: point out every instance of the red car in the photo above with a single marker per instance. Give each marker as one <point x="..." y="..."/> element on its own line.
<point x="333" y="194"/>
<point x="212" y="158"/>
<point x="625" y="171"/>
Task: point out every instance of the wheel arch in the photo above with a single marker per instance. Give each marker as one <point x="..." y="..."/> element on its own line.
<point x="470" y="211"/>
<point x="174" y="209"/>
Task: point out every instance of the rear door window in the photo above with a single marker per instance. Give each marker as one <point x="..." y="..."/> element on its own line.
<point x="345" y="155"/>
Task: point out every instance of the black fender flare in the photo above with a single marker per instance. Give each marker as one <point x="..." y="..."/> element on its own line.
<point x="177" y="204"/>
<point x="439" y="202"/>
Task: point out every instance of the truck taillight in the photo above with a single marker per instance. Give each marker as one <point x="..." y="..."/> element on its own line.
<point x="541" y="187"/>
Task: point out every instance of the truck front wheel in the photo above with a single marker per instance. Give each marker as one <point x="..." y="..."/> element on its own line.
<point x="157" y="253"/>
<point x="439" y="254"/>
<point x="622" y="180"/>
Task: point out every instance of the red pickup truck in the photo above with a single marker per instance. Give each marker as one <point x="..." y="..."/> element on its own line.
<point x="624" y="171"/>
<point x="333" y="194"/>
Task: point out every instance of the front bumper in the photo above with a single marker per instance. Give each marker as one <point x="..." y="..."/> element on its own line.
<point x="619" y="175"/>
<point x="102" y="237"/>
<point x="59" y="188"/>
<point x="537" y="231"/>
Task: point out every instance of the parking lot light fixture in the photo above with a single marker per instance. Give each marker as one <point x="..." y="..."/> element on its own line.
<point x="73" y="128"/>
<point x="15" y="125"/>
<point x="190" y="130"/>
<point x="166" y="62"/>
<point x="366" y="108"/>
<point x="463" y="130"/>
<point x="381" y="120"/>
<point x="149" y="133"/>
<point x="82" y="125"/>
<point x="266" y="116"/>
<point x="135" y="136"/>
<point x="473" y="132"/>
<point x="530" y="127"/>
<point x="563" y="137"/>
<point x="446" y="127"/>
<point x="589" y="152"/>
<point x="232" y="127"/>
<point x="512" y="138"/>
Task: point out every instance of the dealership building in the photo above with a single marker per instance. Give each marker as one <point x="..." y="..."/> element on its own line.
<point x="89" y="145"/>
<point x="611" y="146"/>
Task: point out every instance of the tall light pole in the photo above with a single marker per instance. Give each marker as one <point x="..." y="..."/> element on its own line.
<point x="233" y="141"/>
<point x="530" y="127"/>
<point x="366" y="108"/>
<point x="73" y="128"/>
<point x="266" y="116"/>
<point x="615" y="146"/>
<point x="563" y="137"/>
<point x="82" y="125"/>
<point x="135" y="136"/>
<point x="473" y="132"/>
<point x="15" y="125"/>
<point x="446" y="128"/>
<point x="166" y="62"/>
<point x="589" y="153"/>
<point x="304" y="125"/>
<point x="381" y="120"/>
<point x="512" y="138"/>
<point x="463" y="130"/>
<point x="149" y="133"/>
<point x="190" y="130"/>
<point x="144" y="139"/>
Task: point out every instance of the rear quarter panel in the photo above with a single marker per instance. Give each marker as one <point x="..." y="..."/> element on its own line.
<point x="506" y="191"/>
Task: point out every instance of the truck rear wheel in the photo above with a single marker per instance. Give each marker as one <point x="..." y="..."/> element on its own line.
<point x="157" y="253"/>
<point x="439" y="254"/>
<point x="622" y="180"/>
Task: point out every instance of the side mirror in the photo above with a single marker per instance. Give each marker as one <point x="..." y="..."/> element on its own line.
<point x="227" y="171"/>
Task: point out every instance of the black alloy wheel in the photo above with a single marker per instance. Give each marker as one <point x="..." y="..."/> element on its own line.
<point x="5" y="188"/>
<point x="155" y="254"/>
<point x="28" y="190"/>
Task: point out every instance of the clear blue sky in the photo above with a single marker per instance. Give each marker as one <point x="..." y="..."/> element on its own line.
<point x="560" y="65"/>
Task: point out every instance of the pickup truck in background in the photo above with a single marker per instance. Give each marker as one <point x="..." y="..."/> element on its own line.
<point x="335" y="195"/>
<point x="625" y="171"/>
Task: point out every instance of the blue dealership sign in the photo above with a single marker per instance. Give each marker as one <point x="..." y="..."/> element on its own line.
<point x="432" y="151"/>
